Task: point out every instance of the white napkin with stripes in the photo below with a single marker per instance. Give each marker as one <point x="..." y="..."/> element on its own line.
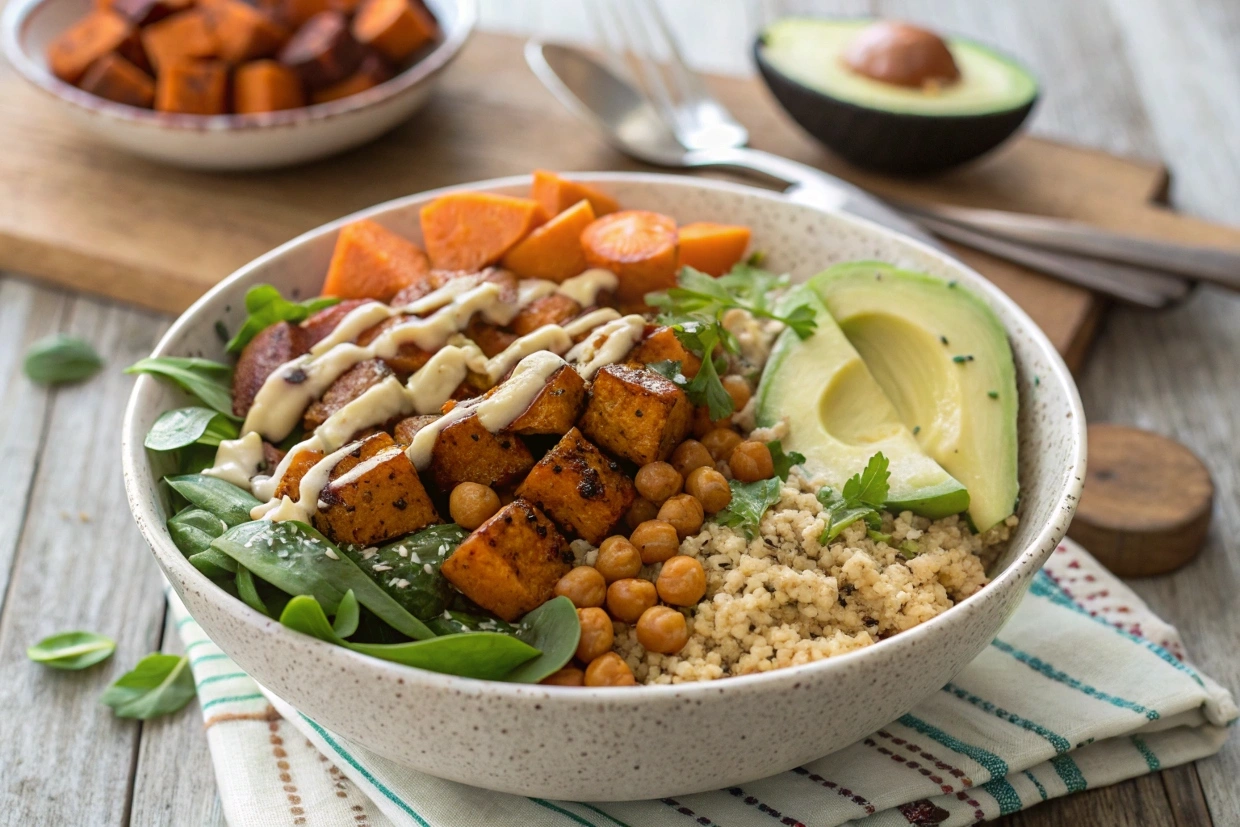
<point x="1083" y="687"/>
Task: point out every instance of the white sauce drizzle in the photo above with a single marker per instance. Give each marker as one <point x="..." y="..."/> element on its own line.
<point x="607" y="344"/>
<point x="511" y="399"/>
<point x="584" y="289"/>
<point x="236" y="460"/>
<point x="312" y="484"/>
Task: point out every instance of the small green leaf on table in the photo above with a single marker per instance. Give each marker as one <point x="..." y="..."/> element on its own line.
<point x="58" y="359"/>
<point x="158" y="685"/>
<point x="72" y="650"/>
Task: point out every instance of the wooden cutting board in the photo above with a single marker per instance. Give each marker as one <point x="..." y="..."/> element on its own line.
<point x="78" y="213"/>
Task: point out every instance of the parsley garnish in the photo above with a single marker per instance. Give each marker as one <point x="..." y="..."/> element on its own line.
<point x="745" y="288"/>
<point x="862" y="499"/>
<point x="750" y="500"/>
<point x="702" y="338"/>
<point x="783" y="462"/>
<point x="669" y="369"/>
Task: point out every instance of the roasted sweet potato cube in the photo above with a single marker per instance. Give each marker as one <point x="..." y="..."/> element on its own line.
<point x="272" y="347"/>
<point x="467" y="452"/>
<point x="146" y="12"/>
<point x="266" y="86"/>
<point x="394" y="28"/>
<point x="663" y="346"/>
<point x="554" y="309"/>
<point x="636" y="413"/>
<point x="197" y="88"/>
<point x="116" y="79"/>
<point x="364" y="448"/>
<point x="510" y="564"/>
<point x="181" y="38"/>
<point x="290" y="484"/>
<point x="376" y="497"/>
<point x="556" y="407"/>
<point x="408" y="357"/>
<point x="372" y="262"/>
<point x="323" y="51"/>
<point x="491" y="339"/>
<point x="372" y="71"/>
<point x="242" y="31"/>
<point x="87" y="40"/>
<point x="294" y="13"/>
<point x="272" y="456"/>
<point x="352" y="383"/>
<point x="407" y="429"/>
<point x="321" y="324"/>
<point x="583" y="490"/>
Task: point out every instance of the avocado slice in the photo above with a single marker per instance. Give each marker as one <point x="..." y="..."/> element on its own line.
<point x="886" y="126"/>
<point x="943" y="359"/>
<point x="838" y="417"/>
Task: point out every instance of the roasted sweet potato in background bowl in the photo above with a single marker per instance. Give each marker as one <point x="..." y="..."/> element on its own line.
<point x="612" y="743"/>
<point x="230" y="142"/>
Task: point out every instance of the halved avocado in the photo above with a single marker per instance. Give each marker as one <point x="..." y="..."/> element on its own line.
<point x="838" y="418"/>
<point x="943" y="359"/>
<point x="885" y="126"/>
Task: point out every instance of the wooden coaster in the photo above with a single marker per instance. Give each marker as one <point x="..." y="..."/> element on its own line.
<point x="1147" y="502"/>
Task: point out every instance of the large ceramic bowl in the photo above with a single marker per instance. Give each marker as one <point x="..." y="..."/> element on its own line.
<point x="229" y="142"/>
<point x="650" y="741"/>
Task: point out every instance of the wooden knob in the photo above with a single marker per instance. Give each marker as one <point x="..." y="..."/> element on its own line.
<point x="1146" y="505"/>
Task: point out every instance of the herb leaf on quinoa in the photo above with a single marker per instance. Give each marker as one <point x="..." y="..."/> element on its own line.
<point x="783" y="461"/>
<point x="750" y="500"/>
<point x="745" y="287"/>
<point x="862" y="499"/>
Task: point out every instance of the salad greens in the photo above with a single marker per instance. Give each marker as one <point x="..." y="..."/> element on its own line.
<point x="554" y="630"/>
<point x="192" y="530"/>
<point x="209" y="381"/>
<point x="158" y="685"/>
<point x="266" y="306"/>
<point x="225" y="500"/>
<point x="783" y="462"/>
<point x="750" y="500"/>
<point x="58" y="359"/>
<point x="862" y="499"/>
<point x="188" y="426"/>
<point x="408" y="569"/>
<point x="72" y="650"/>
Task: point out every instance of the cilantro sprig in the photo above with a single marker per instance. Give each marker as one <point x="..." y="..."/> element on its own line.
<point x="745" y="287"/>
<point x="750" y="500"/>
<point x="862" y="499"/>
<point x="783" y="461"/>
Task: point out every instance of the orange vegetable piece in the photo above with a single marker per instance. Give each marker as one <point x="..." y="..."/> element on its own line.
<point x="146" y="12"/>
<point x="712" y="248"/>
<point x="296" y="12"/>
<point x="241" y="31"/>
<point x="180" y="38"/>
<point x="394" y="28"/>
<point x="553" y="251"/>
<point x="266" y="86"/>
<point x="87" y="40"/>
<point x="372" y="262"/>
<point x="371" y="73"/>
<point x="469" y="230"/>
<point x="196" y="88"/>
<point x="116" y="79"/>
<point x="639" y="247"/>
<point x="557" y="194"/>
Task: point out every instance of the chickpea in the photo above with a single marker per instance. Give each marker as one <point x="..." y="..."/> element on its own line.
<point x="710" y="488"/>
<point x="628" y="598"/>
<point x="682" y="581"/>
<point x="738" y="389"/>
<point x="721" y="442"/>
<point x="618" y="559"/>
<point x="656" y="481"/>
<point x="751" y="461"/>
<point x="639" y="512"/>
<point x="584" y="586"/>
<point x="661" y="630"/>
<point x="703" y="424"/>
<point x="691" y="454"/>
<point x="596" y="634"/>
<point x="655" y="540"/>
<point x="685" y="513"/>
<point x="568" y="676"/>
<point x="471" y="504"/>
<point x="609" y="670"/>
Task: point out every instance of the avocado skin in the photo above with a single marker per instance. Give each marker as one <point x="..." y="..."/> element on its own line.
<point x="890" y="142"/>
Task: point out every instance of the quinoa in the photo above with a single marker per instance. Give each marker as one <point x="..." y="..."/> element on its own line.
<point x="782" y="598"/>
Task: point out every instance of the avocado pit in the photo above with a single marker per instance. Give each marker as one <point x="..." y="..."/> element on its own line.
<point x="891" y="51"/>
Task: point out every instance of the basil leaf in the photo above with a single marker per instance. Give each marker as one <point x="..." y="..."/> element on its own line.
<point x="750" y="500"/>
<point x="408" y="569"/>
<point x="57" y="359"/>
<point x="554" y="630"/>
<point x="783" y="462"/>
<point x="248" y="592"/>
<point x="158" y="685"/>
<point x="266" y="306"/>
<point x="347" y="615"/>
<point x="485" y="655"/>
<point x="223" y="499"/>
<point x="72" y="650"/>
<point x="186" y="426"/>
<point x="192" y="530"/>
<point x="210" y="381"/>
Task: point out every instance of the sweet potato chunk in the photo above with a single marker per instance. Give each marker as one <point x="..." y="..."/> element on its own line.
<point x="663" y="346"/>
<point x="639" y="247"/>
<point x="510" y="564"/>
<point x="555" y="408"/>
<point x="196" y="88"/>
<point x="407" y="429"/>
<point x="321" y="324"/>
<point x="492" y="339"/>
<point x="469" y="230"/>
<point x="87" y="40"/>
<point x="323" y="51"/>
<point x="290" y="484"/>
<point x="352" y="383"/>
<point x="372" y="262"/>
<point x="557" y="194"/>
<point x="408" y="358"/>
<point x="294" y="13"/>
<point x="712" y="248"/>
<point x="266" y="86"/>
<point x="275" y="345"/>
<point x="241" y="31"/>
<point x="116" y="79"/>
<point x="636" y="413"/>
<point x="146" y="12"/>
<point x="394" y="28"/>
<point x="554" y="309"/>
<point x="553" y="251"/>
<point x="181" y="38"/>
<point x="372" y="71"/>
<point x="272" y="456"/>
<point x="377" y="497"/>
<point x="467" y="452"/>
<point x="583" y="490"/>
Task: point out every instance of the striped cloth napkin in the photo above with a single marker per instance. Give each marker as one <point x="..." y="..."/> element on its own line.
<point x="1084" y="687"/>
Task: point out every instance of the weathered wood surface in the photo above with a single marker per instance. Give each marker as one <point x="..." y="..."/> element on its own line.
<point x="1124" y="75"/>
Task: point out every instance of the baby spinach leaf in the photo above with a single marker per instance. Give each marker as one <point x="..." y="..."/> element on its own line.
<point x="248" y="591"/>
<point x="454" y="623"/>
<point x="158" y="685"/>
<point x="223" y="499"/>
<point x="192" y="530"/>
<point x="186" y="426"/>
<point x="266" y="306"/>
<point x="783" y="462"/>
<point x="554" y="630"/>
<point x="862" y="499"/>
<point x="750" y="500"/>
<point x="72" y="650"/>
<point x="348" y="614"/>
<point x="210" y="381"/>
<point x="215" y="564"/>
<point x="485" y="655"/>
<point x="58" y="359"/>
<point x="408" y="569"/>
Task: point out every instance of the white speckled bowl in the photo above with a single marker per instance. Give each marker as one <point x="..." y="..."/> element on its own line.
<point x="229" y="142"/>
<point x="645" y="742"/>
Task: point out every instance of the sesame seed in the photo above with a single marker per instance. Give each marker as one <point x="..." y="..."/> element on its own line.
<point x="331" y="554"/>
<point x="381" y="567"/>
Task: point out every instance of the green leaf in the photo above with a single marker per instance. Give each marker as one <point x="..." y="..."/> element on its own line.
<point x="215" y="564"/>
<point x="745" y="287"/>
<point x="186" y="426"/>
<point x="210" y="381"/>
<point x="158" y="685"/>
<point x="750" y="500"/>
<point x="408" y="568"/>
<point x="266" y="306"/>
<point x="223" y="499"/>
<point x="195" y="458"/>
<point x="485" y="655"/>
<point x="554" y="630"/>
<point x="909" y="549"/>
<point x="783" y="462"/>
<point x="248" y="591"/>
<point x="870" y="486"/>
<point x="862" y="499"/>
<point x="192" y="530"/>
<point x="72" y="650"/>
<point x="701" y="339"/>
<point x="348" y="613"/>
<point x="58" y="359"/>
<point x="454" y="623"/>
<point x="669" y="369"/>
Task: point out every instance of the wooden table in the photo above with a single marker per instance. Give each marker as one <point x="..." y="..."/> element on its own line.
<point x="1133" y="76"/>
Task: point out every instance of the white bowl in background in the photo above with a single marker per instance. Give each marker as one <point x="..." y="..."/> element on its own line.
<point x="229" y="142"/>
<point x="648" y="741"/>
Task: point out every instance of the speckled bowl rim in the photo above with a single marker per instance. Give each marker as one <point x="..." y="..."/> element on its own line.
<point x="17" y="15"/>
<point x="1038" y="549"/>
